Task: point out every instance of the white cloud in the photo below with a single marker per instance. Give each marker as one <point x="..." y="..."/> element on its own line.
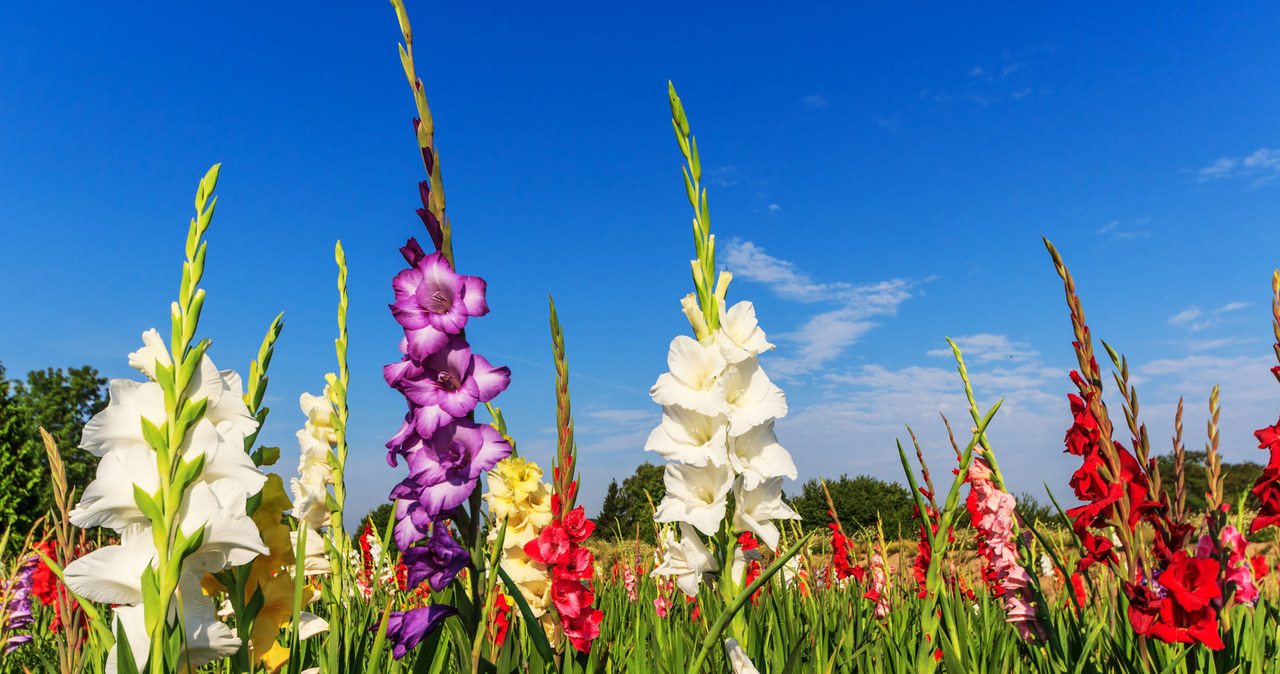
<point x="976" y="71"/>
<point x="823" y="336"/>
<point x="1192" y="318"/>
<point x="723" y="176"/>
<point x="1117" y="229"/>
<point x="1185" y="316"/>
<point x="857" y="428"/>
<point x="774" y="208"/>
<point x="985" y="347"/>
<point x="816" y="101"/>
<point x="1262" y="166"/>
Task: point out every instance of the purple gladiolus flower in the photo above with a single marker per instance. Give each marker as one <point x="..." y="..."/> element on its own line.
<point x="445" y="386"/>
<point x="436" y="562"/>
<point x="434" y="302"/>
<point x="405" y="629"/>
<point x="413" y="522"/>
<point x="448" y="464"/>
<point x="18" y="608"/>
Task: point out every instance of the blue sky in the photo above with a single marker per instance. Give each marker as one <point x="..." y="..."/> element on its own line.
<point x="879" y="178"/>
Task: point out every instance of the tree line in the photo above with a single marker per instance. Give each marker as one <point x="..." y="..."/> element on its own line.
<point x="60" y="401"/>
<point x="859" y="501"/>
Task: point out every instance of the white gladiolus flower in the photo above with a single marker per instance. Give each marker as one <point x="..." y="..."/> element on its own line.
<point x="740" y="336"/>
<point x="311" y="488"/>
<point x="691" y="438"/>
<point x="757" y="456"/>
<point x="750" y="397"/>
<point x="738" y="660"/>
<point x="694" y="380"/>
<point x="686" y="559"/>
<point x="310" y="624"/>
<point x="695" y="495"/>
<point x="315" y="561"/>
<point x="214" y="501"/>
<point x="755" y="509"/>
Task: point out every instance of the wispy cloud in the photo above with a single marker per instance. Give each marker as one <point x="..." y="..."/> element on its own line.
<point x="816" y="101"/>
<point x="855" y="429"/>
<point x="826" y="335"/>
<point x="1185" y="317"/>
<point x="987" y="347"/>
<point x="723" y="176"/>
<point x="1194" y="319"/>
<point x="1127" y="230"/>
<point x="1262" y="167"/>
<point x="774" y="208"/>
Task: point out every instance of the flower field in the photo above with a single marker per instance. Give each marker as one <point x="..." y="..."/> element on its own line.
<point x="189" y="552"/>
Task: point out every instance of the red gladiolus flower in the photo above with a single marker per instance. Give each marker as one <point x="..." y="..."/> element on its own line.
<point x="1267" y="488"/>
<point x="577" y="525"/>
<point x="584" y="629"/>
<point x="501" y="618"/>
<point x="570" y="597"/>
<point x="550" y="546"/>
<point x="1260" y="567"/>
<point x="1193" y="583"/>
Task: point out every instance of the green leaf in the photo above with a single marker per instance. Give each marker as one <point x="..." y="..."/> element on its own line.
<point x="266" y="456"/>
<point x="147" y="504"/>
<point x="531" y="622"/>
<point x="157" y="437"/>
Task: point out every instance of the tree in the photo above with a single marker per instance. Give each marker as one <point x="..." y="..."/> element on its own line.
<point x="19" y="482"/>
<point x="378" y="517"/>
<point x="1237" y="480"/>
<point x="858" y="501"/>
<point x="60" y="402"/>
<point x="646" y="478"/>
<point x="613" y="515"/>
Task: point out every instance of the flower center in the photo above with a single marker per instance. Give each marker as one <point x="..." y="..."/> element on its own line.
<point x="448" y="381"/>
<point x="439" y="302"/>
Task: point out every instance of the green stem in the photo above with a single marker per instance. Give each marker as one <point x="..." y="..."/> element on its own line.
<point x="713" y="635"/>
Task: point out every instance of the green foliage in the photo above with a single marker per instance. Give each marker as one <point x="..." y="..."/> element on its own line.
<point x="378" y="517"/>
<point x="1237" y="480"/>
<point x="61" y="402"/>
<point x="859" y="501"/>
<point x="612" y="512"/>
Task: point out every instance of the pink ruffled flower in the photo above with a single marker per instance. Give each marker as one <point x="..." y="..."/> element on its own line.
<point x="1239" y="570"/>
<point x="992" y="512"/>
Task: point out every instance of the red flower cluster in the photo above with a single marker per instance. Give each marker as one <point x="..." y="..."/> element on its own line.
<point x="1102" y="497"/>
<point x="747" y="542"/>
<point x="1185" y="614"/>
<point x="840" y="552"/>
<point x="1267" y="488"/>
<point x="1260" y="567"/>
<point x="501" y="618"/>
<point x="557" y="546"/>
<point x="47" y="588"/>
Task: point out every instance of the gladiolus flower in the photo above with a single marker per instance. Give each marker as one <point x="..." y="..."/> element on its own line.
<point x="686" y="559"/>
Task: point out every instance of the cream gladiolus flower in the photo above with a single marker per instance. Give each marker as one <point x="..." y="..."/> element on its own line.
<point x="686" y="559"/>
<point x="695" y="495"/>
<point x="750" y="398"/>
<point x="310" y="489"/>
<point x="518" y="496"/>
<point x="757" y="456"/>
<point x="691" y="438"/>
<point x="694" y="380"/>
<point x="740" y="336"/>
<point x="755" y="509"/>
<point x="739" y="663"/>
